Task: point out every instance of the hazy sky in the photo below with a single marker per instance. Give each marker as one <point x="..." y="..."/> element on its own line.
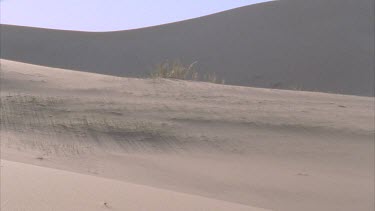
<point x="108" y="15"/>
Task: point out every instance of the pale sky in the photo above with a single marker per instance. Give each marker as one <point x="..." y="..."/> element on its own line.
<point x="108" y="15"/>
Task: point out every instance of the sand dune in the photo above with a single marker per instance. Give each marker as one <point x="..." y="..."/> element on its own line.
<point x="274" y="149"/>
<point x="319" y="45"/>
<point x="27" y="187"/>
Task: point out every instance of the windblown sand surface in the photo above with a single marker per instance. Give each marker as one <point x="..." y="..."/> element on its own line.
<point x="179" y="145"/>
<point x="318" y="45"/>
<point x="27" y="187"/>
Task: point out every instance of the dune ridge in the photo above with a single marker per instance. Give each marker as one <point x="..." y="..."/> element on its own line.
<point x="314" y="45"/>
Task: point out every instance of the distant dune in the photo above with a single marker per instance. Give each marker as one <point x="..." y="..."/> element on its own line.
<point x="273" y="149"/>
<point x="317" y="45"/>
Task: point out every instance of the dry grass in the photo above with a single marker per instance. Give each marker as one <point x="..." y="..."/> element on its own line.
<point x="178" y="70"/>
<point x="175" y="70"/>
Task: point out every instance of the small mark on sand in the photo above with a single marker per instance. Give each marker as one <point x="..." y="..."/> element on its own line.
<point x="303" y="174"/>
<point x="40" y="158"/>
<point x="116" y="113"/>
<point x="93" y="172"/>
<point x="341" y="106"/>
<point x="106" y="204"/>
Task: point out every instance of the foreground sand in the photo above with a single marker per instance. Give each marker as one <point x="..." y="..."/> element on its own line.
<point x="278" y="150"/>
<point x="28" y="187"/>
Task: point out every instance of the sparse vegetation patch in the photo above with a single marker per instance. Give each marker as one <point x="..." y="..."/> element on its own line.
<point x="178" y="70"/>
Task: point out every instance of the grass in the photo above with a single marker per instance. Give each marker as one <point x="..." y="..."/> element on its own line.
<point x="178" y="70"/>
<point x="175" y="70"/>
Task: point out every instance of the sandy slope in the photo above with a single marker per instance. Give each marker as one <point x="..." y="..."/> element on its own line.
<point x="27" y="187"/>
<point x="324" y="45"/>
<point x="279" y="150"/>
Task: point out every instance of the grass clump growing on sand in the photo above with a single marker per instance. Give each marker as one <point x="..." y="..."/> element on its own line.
<point x="175" y="70"/>
<point x="178" y="70"/>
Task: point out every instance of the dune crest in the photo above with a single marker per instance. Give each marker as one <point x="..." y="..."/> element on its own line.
<point x="314" y="45"/>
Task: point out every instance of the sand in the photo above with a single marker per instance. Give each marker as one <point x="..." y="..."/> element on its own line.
<point x="140" y="142"/>
<point x="315" y="45"/>
<point x="28" y="187"/>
